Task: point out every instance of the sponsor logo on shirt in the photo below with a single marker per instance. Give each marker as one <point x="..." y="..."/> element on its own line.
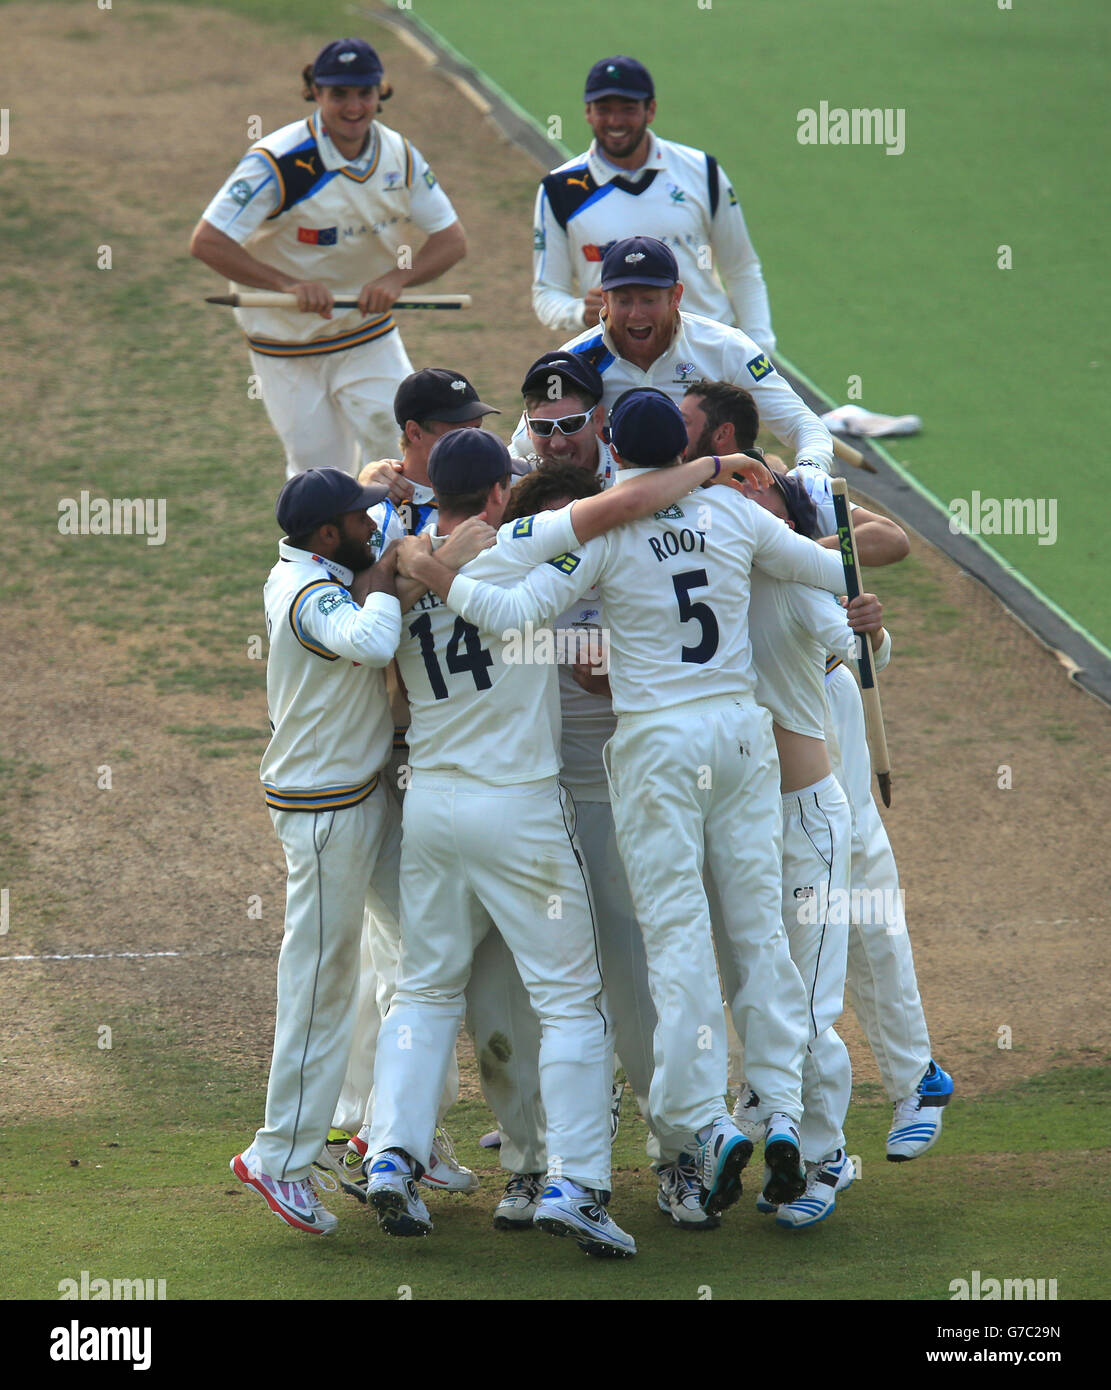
<point x="582" y="183"/>
<point x="566" y="564"/>
<point x="332" y="600"/>
<point x="539" y="240"/>
<point x="241" y="192"/>
<point x="523" y="527"/>
<point x="430" y="178"/>
<point x="732" y="199"/>
<point x="307" y="164"/>
<point x="760" y="367"/>
<point x="317" y="236"/>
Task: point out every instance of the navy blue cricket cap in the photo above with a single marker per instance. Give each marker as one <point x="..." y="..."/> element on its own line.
<point x="647" y="428"/>
<point x="570" y="368"/>
<point x="800" y="505"/>
<point x="639" y="260"/>
<point x="619" y="77"/>
<point x="318" y="495"/>
<point x="466" y="460"/>
<point x="438" y="393"/>
<point x="347" y="63"/>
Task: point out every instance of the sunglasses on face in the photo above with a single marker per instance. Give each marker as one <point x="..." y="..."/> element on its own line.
<point x="568" y="424"/>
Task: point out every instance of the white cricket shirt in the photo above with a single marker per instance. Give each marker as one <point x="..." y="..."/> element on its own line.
<point x="325" y="686"/>
<point x="480" y="703"/>
<point x="675" y="588"/>
<point x="681" y="197"/>
<point x="296" y="203"/>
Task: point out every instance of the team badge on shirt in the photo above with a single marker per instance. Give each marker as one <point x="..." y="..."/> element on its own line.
<point x="566" y="564"/>
<point x="332" y="600"/>
<point x="317" y="236"/>
<point x="672" y="513"/>
<point x="393" y="180"/>
<point x="760" y="367"/>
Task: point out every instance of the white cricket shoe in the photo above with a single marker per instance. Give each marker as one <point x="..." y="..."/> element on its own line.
<point x="916" y="1123"/>
<point x="346" y="1166"/>
<point x="518" y="1204"/>
<point x="566" y="1209"/>
<point x="784" y="1175"/>
<point x="824" y="1181"/>
<point x="746" y="1114"/>
<point x="392" y="1193"/>
<point x="720" y="1160"/>
<point x="296" y="1202"/>
<point x="680" y="1195"/>
<point x="444" y="1171"/>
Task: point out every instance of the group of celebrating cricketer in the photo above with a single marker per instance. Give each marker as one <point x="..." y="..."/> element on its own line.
<point x="566" y="742"/>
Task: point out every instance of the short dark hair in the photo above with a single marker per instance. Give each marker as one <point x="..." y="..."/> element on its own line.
<point x="467" y="503"/>
<point x="539" y="489"/>
<point x="724" y="403"/>
<point x="385" y="90"/>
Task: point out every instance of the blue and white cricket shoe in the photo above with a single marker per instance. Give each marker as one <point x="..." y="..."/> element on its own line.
<point x="916" y="1123"/>
<point x="566" y="1209"/>
<point x="823" y="1182"/>
<point x="392" y="1192"/>
<point x="784" y="1175"/>
<point x="721" y="1159"/>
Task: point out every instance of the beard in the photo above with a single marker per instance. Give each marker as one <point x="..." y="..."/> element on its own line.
<point x="353" y="555"/>
<point x="703" y="446"/>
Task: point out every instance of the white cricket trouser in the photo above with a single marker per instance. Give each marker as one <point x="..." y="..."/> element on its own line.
<point x="472" y="853"/>
<point x="507" y="1032"/>
<point x="331" y="857"/>
<point x="379" y="949"/>
<point x="881" y="983"/>
<point x="817" y="832"/>
<point x="697" y="782"/>
<point x="335" y="410"/>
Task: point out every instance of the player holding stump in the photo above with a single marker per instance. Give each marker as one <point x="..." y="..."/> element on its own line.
<point x="317" y="207"/>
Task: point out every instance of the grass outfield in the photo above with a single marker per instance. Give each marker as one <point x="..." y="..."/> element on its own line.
<point x="886" y="267"/>
<point x="1004" y="1193"/>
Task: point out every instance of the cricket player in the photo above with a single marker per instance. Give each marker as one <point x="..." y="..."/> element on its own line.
<point x="335" y="203"/>
<point x="629" y="181"/>
<point x="693" y="776"/>
<point x="880" y="981"/>
<point x="334" y="816"/>
<point x="488" y="830"/>
<point x="645" y="339"/>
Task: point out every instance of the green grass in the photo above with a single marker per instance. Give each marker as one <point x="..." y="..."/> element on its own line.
<point x="886" y="267"/>
<point x="142" y="1190"/>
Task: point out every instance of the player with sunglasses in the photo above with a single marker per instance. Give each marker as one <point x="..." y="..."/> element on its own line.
<point x="564" y="417"/>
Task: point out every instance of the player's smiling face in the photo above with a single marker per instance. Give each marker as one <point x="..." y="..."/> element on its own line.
<point x="353" y="550"/>
<point x="580" y="448"/>
<point x="620" y="127"/>
<point x="347" y="113"/>
<point x="641" y="320"/>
